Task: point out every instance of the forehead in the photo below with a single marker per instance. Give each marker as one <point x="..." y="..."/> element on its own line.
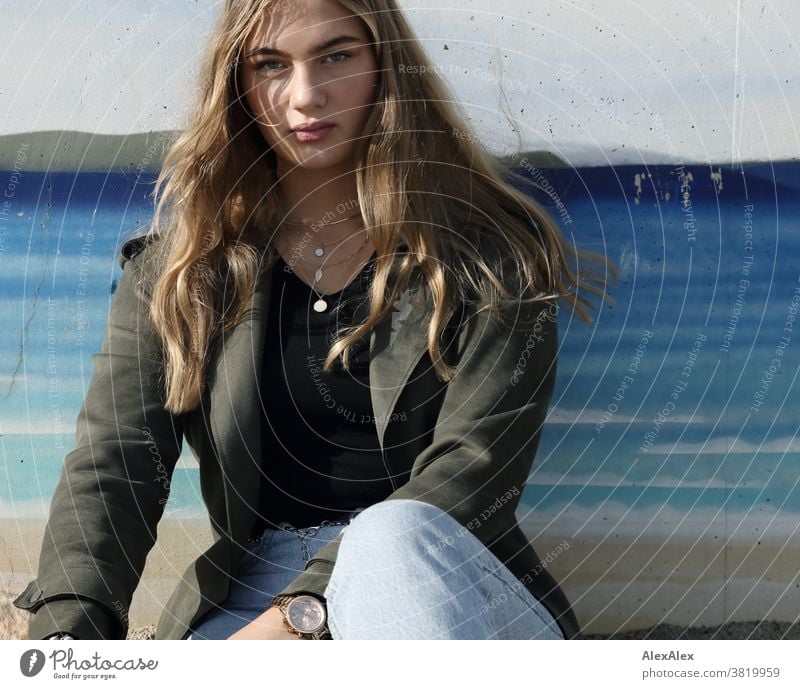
<point x="290" y="25"/>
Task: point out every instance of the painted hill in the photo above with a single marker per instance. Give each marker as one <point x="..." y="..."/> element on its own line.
<point x="67" y="151"/>
<point x="63" y="151"/>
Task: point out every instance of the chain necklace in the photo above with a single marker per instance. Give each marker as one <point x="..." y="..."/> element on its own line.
<point x="321" y="248"/>
<point x="305" y="532"/>
<point x="325" y="224"/>
<point x="321" y="305"/>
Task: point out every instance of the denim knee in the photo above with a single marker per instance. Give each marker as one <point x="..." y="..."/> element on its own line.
<point x="401" y="517"/>
<point x="392" y="533"/>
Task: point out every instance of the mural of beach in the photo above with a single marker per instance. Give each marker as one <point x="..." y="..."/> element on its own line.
<point x="665" y="488"/>
<point x="671" y="454"/>
<point x="666" y="480"/>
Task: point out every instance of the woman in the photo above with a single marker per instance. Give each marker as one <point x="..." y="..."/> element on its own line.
<point x="350" y="317"/>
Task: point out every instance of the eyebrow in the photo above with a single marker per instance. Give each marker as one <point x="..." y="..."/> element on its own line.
<point x="316" y="49"/>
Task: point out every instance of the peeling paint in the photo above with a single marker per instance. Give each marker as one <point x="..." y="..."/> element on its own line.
<point x="716" y="178"/>
<point x="637" y="181"/>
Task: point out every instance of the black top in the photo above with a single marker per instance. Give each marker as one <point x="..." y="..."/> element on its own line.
<point x="321" y="456"/>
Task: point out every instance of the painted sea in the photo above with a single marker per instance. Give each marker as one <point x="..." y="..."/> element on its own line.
<point x="675" y="409"/>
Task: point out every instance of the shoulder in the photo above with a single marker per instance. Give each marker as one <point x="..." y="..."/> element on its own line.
<point x="137" y="257"/>
<point x="513" y="318"/>
<point x="136" y="245"/>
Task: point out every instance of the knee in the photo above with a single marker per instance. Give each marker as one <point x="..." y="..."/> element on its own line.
<point x="402" y="517"/>
<point x="395" y="542"/>
<point x="404" y="528"/>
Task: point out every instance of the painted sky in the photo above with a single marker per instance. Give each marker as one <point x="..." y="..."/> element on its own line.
<point x="622" y="81"/>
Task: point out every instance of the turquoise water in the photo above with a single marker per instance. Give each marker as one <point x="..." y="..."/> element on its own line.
<point x="663" y="400"/>
<point x="31" y="465"/>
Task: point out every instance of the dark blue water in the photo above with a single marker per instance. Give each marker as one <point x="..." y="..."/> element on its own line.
<point x="682" y="393"/>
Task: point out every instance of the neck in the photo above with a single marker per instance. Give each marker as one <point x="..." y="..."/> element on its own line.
<point x="319" y="196"/>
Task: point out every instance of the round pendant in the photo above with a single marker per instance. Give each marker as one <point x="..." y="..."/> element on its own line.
<point x="319" y="251"/>
<point x="320" y="305"/>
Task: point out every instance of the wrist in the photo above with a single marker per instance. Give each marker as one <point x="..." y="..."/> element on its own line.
<point x="304" y="614"/>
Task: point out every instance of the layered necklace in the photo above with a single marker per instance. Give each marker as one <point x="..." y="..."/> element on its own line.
<point x="321" y="250"/>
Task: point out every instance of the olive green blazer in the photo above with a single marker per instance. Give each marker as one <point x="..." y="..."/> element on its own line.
<point x="114" y="485"/>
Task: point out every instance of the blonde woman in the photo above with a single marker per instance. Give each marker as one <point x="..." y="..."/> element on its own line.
<point x="350" y="316"/>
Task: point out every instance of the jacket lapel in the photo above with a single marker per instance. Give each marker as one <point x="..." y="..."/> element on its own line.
<point x="234" y="380"/>
<point x="396" y="346"/>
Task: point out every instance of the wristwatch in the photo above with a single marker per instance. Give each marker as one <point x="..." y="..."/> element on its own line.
<point x="304" y="614"/>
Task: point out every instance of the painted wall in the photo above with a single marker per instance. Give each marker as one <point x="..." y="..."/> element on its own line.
<point x="616" y="81"/>
<point x="665" y="488"/>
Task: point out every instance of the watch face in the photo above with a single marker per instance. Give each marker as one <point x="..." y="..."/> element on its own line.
<point x="306" y="614"/>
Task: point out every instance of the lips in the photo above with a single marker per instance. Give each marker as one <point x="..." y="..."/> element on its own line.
<point x="313" y="132"/>
<point x="313" y="126"/>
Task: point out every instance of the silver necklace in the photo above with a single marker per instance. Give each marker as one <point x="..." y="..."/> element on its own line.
<point x="320" y="247"/>
<point x="325" y="224"/>
<point x="321" y="305"/>
<point x="305" y="532"/>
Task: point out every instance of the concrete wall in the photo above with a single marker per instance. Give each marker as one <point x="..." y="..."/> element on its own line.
<point x="686" y="516"/>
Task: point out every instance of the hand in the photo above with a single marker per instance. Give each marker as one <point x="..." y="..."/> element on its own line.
<point x="268" y="626"/>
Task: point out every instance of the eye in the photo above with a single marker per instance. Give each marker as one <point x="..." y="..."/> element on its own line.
<point x="342" y="54"/>
<point x="267" y="66"/>
<point x="274" y="65"/>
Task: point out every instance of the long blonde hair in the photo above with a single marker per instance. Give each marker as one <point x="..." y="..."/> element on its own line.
<point x="218" y="207"/>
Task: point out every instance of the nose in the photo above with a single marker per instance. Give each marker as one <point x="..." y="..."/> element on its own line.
<point x="307" y="88"/>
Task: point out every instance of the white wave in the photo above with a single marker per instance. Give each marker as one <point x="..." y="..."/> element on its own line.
<point x="730" y="445"/>
<point x="612" y="480"/>
<point x="613" y="519"/>
<point x="185" y="513"/>
<point x="581" y="416"/>
<point x="40" y="509"/>
<point x="43" y="381"/>
<point x="37" y="426"/>
<point x="595" y="416"/>
<point x="24" y="509"/>
<point x="65" y="266"/>
<point x="187" y="461"/>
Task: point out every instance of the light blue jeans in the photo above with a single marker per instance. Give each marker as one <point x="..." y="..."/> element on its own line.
<point x="405" y="570"/>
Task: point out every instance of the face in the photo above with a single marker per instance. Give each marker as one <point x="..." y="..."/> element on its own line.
<point x="308" y="62"/>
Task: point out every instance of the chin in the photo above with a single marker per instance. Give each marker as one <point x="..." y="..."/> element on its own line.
<point x="323" y="161"/>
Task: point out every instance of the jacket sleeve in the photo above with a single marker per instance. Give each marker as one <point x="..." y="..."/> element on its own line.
<point x="113" y="485"/>
<point x="487" y="431"/>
